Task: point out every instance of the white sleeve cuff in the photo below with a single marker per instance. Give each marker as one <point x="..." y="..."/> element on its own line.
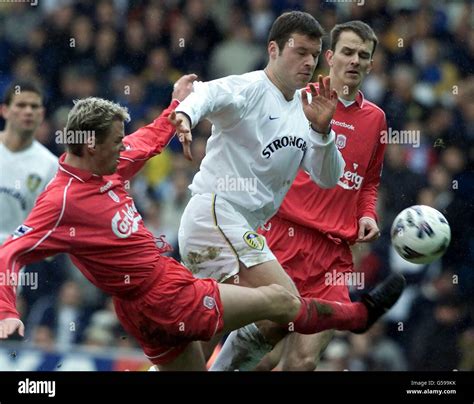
<point x="320" y="139"/>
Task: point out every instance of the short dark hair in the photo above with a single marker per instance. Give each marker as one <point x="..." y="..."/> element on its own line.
<point x="20" y="86"/>
<point x="294" y="22"/>
<point x="359" y="28"/>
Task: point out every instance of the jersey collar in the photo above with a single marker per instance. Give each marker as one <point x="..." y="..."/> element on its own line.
<point x="77" y="173"/>
<point x="359" y="100"/>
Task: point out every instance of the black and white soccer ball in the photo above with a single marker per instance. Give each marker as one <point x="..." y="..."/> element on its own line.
<point x="420" y="234"/>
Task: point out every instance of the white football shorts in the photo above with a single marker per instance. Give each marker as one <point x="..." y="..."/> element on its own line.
<point x="213" y="237"/>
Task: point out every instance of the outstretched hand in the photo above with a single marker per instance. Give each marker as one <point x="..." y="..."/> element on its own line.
<point x="322" y="106"/>
<point x="183" y="130"/>
<point x="11" y="326"/>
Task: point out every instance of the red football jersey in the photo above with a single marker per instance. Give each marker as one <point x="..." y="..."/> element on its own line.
<point x="336" y="211"/>
<point x="93" y="218"/>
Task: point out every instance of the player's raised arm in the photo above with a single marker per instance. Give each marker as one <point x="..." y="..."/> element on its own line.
<point x="223" y="101"/>
<point x="322" y="161"/>
<point x="150" y="140"/>
<point x="206" y="98"/>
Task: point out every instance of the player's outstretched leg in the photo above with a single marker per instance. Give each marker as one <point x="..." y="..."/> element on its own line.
<point x="306" y="315"/>
<point x="303" y="351"/>
<point x="244" y="306"/>
<point x="319" y="314"/>
<point x="316" y="315"/>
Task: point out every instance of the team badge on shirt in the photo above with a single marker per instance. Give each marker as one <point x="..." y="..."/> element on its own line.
<point x="208" y="302"/>
<point x="341" y="141"/>
<point x="254" y="240"/>
<point x="33" y="182"/>
<point x="21" y="231"/>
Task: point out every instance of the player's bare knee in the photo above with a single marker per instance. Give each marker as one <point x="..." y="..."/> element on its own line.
<point x="284" y="303"/>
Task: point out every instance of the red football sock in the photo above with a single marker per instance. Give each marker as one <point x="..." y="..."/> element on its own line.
<point x="317" y="315"/>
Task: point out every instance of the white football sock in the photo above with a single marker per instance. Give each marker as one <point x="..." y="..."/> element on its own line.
<point x="243" y="350"/>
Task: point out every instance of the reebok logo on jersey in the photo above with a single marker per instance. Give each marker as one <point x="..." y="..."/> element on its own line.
<point x="106" y="187"/>
<point x="350" y="179"/>
<point x="285" y="141"/>
<point x="342" y="124"/>
<point x="21" y="231"/>
<point x="125" y="222"/>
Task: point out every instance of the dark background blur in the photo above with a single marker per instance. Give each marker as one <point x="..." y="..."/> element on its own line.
<point x="132" y="52"/>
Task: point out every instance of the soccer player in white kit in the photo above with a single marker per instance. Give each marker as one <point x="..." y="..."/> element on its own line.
<point x="263" y="131"/>
<point x="26" y="166"/>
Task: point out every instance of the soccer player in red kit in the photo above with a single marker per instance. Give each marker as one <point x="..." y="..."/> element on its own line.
<point x="312" y="232"/>
<point x="87" y="212"/>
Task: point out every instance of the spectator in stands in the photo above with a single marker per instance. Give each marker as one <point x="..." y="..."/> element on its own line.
<point x="64" y="314"/>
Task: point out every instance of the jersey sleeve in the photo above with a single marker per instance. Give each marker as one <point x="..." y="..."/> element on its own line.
<point x="322" y="160"/>
<point x="222" y="101"/>
<point x="145" y="143"/>
<point x="37" y="238"/>
<point x="366" y="204"/>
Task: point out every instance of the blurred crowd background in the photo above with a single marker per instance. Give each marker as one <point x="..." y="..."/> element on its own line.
<point x="132" y="52"/>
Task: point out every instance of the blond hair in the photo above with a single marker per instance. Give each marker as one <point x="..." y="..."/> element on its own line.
<point x="93" y="115"/>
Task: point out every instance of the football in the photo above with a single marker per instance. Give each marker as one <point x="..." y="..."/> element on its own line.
<point x="420" y="234"/>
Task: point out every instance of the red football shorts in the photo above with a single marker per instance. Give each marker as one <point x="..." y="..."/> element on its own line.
<point x="175" y="310"/>
<point x="315" y="262"/>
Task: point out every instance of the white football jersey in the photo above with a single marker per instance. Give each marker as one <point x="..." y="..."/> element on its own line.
<point x="23" y="176"/>
<point x="259" y="141"/>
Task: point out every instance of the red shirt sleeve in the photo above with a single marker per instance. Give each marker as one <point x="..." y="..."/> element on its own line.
<point x="367" y="200"/>
<point x="145" y="143"/>
<point x="34" y="240"/>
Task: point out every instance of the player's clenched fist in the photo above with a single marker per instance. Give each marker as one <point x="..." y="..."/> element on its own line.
<point x="10" y="326"/>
